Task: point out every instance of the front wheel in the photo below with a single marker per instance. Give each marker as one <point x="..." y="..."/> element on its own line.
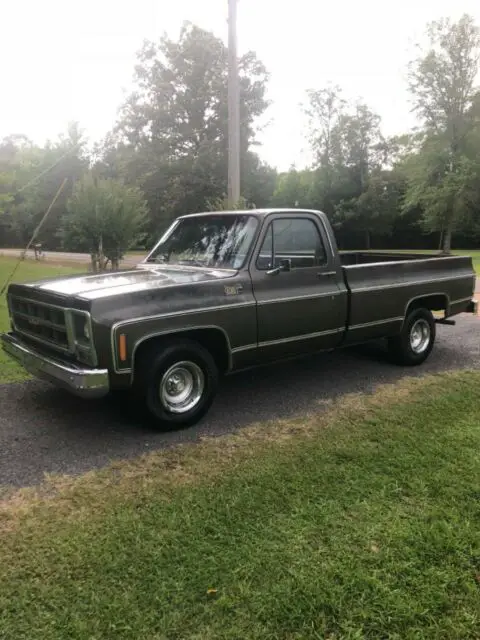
<point x="415" y="342"/>
<point x="176" y="382"/>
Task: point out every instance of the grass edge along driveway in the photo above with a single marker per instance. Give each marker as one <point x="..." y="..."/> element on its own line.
<point x="359" y="521"/>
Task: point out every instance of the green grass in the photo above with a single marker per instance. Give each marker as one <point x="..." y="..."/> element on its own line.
<point x="359" y="522"/>
<point x="27" y="271"/>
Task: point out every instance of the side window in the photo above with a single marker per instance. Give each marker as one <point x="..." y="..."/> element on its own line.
<point x="295" y="239"/>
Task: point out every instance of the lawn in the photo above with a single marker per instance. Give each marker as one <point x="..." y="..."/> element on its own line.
<point x="28" y="270"/>
<point x="361" y="521"/>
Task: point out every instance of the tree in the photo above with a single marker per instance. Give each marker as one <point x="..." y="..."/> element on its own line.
<point x="37" y="174"/>
<point x="349" y="148"/>
<point x="171" y="137"/>
<point x="180" y="103"/>
<point x="10" y="160"/>
<point x="375" y="209"/>
<point x="294" y="188"/>
<point x="105" y="218"/>
<point x="324" y="110"/>
<point x="359" y="153"/>
<point x="442" y="84"/>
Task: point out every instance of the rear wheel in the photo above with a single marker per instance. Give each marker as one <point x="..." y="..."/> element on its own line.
<point x="176" y="383"/>
<point x="415" y="342"/>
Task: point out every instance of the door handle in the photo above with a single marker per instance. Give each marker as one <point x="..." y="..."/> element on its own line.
<point x="326" y="273"/>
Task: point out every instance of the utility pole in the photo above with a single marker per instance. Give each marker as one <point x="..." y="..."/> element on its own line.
<point x="233" y="108"/>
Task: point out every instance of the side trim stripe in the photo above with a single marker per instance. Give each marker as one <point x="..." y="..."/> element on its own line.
<point x="304" y="336"/>
<point x="252" y="303"/>
<point x="171" y="314"/>
<point x="317" y="334"/>
<point x="309" y="296"/>
<point x="375" y="323"/>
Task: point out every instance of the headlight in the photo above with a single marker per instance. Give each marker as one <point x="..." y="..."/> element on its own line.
<point x="81" y="327"/>
<point x="82" y="339"/>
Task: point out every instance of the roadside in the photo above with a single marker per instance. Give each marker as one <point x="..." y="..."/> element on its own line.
<point x="65" y="258"/>
<point x="358" y="521"/>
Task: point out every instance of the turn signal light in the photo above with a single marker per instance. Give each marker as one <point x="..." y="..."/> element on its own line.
<point x="122" y="347"/>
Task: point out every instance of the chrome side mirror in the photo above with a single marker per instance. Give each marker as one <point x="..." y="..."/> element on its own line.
<point x="285" y="265"/>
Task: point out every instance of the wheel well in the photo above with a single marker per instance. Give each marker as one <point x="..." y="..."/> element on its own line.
<point x="435" y="302"/>
<point x="214" y="340"/>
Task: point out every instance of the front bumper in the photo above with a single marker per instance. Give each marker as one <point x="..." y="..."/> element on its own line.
<point x="86" y="383"/>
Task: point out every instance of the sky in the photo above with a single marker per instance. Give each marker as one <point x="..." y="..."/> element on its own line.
<point x="63" y="61"/>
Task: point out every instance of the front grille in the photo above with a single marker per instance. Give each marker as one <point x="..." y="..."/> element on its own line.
<point x="40" y="321"/>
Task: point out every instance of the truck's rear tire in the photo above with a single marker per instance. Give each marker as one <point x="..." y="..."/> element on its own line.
<point x="415" y="342"/>
<point x="176" y="382"/>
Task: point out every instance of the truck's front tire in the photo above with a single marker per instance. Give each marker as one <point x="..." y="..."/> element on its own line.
<point x="176" y="382"/>
<point x="415" y="342"/>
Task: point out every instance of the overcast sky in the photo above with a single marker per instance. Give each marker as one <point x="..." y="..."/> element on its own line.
<point x="64" y="61"/>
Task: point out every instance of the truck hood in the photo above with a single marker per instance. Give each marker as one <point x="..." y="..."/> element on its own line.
<point x="142" y="278"/>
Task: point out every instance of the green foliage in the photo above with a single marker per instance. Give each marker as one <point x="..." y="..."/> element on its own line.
<point x="359" y="523"/>
<point x="35" y="174"/>
<point x="443" y="177"/>
<point x="170" y="142"/>
<point x="105" y="218"/>
<point x="374" y="209"/>
<point x="223" y="204"/>
<point x="171" y="138"/>
<point x="348" y="182"/>
<point x="293" y="189"/>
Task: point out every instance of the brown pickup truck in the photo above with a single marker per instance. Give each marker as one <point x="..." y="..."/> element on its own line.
<point x="224" y="291"/>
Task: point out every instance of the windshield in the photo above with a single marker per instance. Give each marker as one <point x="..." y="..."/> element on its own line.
<point x="214" y="241"/>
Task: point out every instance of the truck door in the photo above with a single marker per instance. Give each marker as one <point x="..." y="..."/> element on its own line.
<point x="298" y="285"/>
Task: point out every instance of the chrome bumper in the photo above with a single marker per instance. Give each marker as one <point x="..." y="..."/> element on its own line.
<point x="86" y="383"/>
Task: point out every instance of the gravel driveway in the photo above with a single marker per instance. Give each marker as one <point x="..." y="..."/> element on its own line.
<point x="43" y="429"/>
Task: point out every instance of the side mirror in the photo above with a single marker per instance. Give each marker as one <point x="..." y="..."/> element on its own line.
<point x="285" y="265"/>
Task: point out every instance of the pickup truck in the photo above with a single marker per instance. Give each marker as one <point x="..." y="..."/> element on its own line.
<point x="225" y="291"/>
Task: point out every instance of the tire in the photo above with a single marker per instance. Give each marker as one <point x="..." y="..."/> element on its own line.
<point x="415" y="342"/>
<point x="176" y="383"/>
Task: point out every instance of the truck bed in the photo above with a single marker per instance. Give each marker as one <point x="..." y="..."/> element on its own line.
<point x="382" y="286"/>
<point x="349" y="258"/>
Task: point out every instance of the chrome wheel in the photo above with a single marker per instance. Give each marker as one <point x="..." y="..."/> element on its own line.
<point x="182" y="387"/>
<point x="420" y="336"/>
